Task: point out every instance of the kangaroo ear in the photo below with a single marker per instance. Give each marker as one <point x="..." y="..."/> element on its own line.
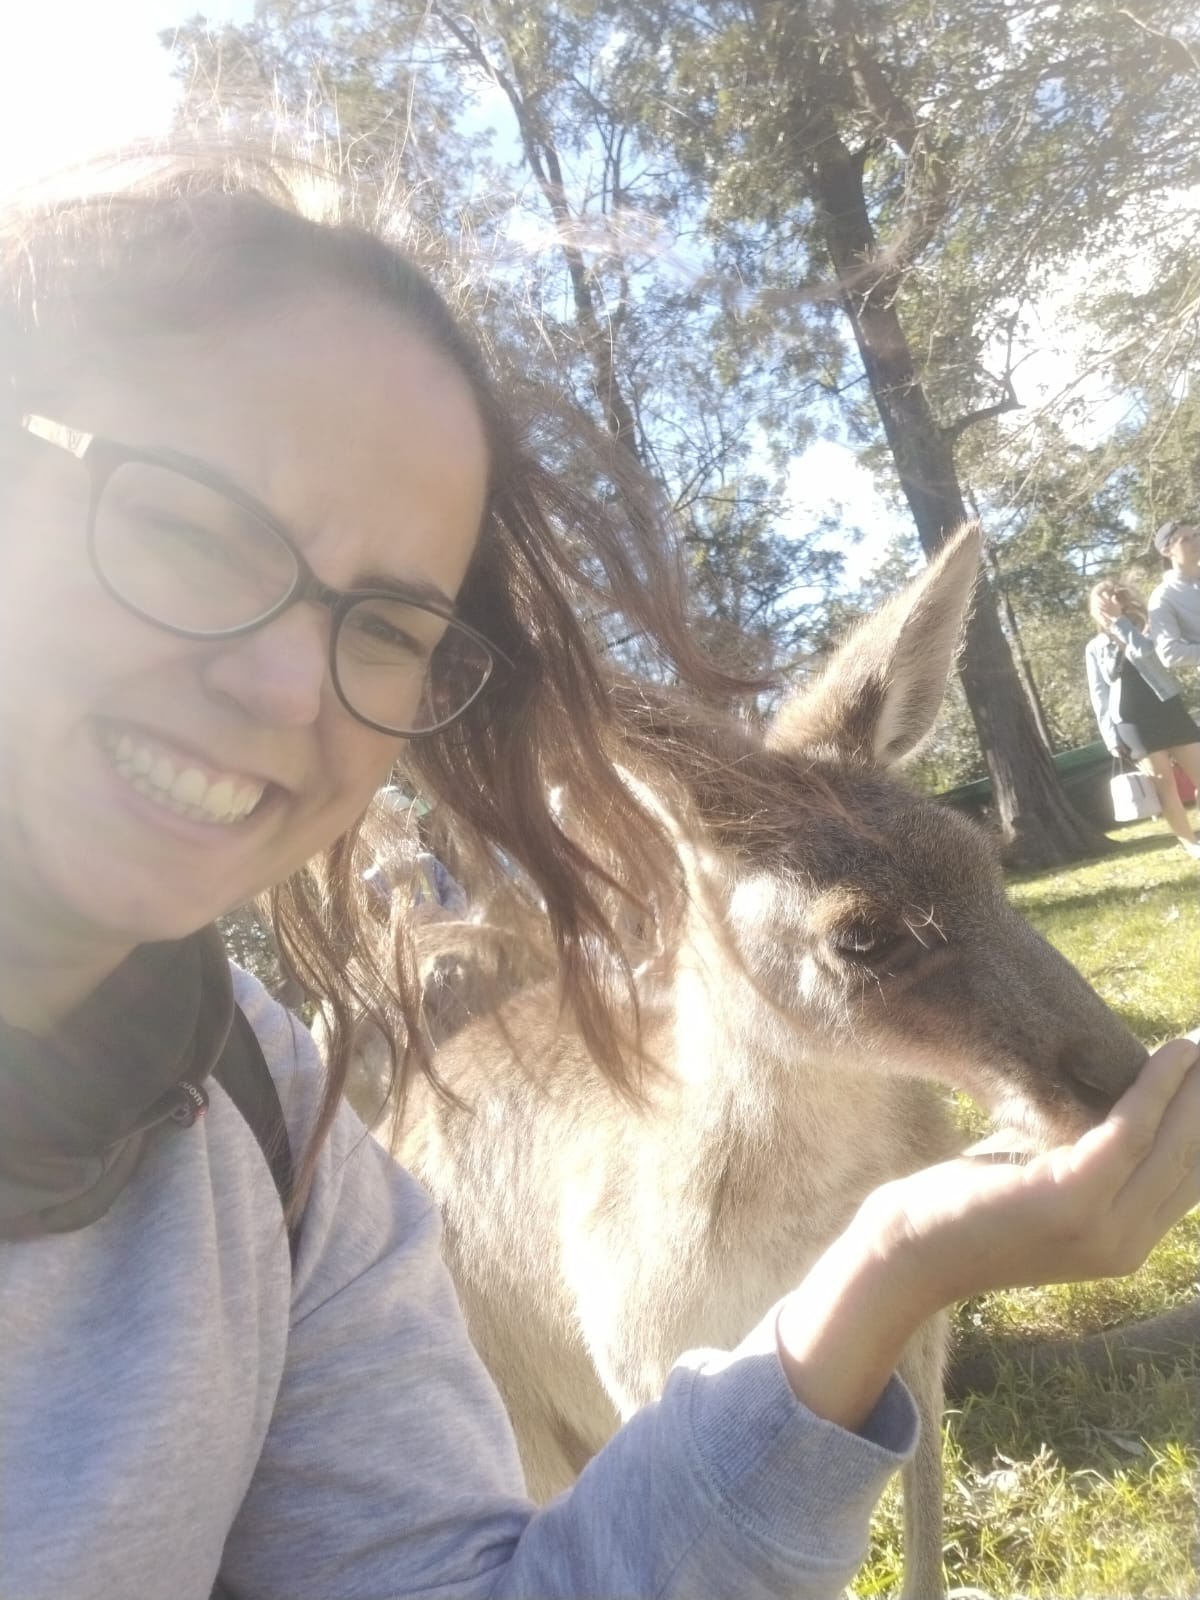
<point x="878" y="696"/>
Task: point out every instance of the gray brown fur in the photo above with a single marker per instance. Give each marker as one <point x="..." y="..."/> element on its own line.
<point x="593" y="1241"/>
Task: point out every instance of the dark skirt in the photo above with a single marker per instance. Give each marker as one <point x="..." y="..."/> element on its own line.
<point x="1154" y="724"/>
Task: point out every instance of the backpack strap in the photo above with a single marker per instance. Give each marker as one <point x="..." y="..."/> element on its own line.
<point x="245" y="1077"/>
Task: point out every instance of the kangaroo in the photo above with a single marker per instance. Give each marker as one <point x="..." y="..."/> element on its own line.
<point x="840" y="960"/>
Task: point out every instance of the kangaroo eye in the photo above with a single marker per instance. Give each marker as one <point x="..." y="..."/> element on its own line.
<point x="866" y="942"/>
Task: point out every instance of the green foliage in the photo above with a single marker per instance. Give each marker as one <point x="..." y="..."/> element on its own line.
<point x="515" y="131"/>
<point x="1031" y="1528"/>
<point x="645" y="195"/>
<point x="911" y="149"/>
<point x="991" y="109"/>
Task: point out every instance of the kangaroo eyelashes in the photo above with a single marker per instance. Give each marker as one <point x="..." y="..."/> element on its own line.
<point x="867" y="942"/>
<point x="883" y="951"/>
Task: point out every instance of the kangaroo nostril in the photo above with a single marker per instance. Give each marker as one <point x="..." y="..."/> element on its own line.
<point x="1093" y="1078"/>
<point x="1092" y="1097"/>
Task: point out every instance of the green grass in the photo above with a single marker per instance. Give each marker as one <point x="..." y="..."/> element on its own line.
<point x="1131" y="923"/>
<point x="1085" y="1488"/>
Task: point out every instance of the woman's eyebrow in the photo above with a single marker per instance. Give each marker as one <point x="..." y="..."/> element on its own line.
<point x="416" y="589"/>
<point x="405" y="588"/>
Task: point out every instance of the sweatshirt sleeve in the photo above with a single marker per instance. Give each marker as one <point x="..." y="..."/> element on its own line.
<point x="390" y="1469"/>
<point x="1139" y="646"/>
<point x="1167" y="631"/>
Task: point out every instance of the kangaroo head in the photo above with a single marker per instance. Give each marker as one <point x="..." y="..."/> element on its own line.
<point x="877" y="918"/>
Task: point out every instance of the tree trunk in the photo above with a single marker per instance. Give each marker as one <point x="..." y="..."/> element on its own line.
<point x="1038" y="825"/>
<point x="1020" y="656"/>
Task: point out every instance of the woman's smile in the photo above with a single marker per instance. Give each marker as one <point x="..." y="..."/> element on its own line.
<point x="168" y="778"/>
<point x="173" y="779"/>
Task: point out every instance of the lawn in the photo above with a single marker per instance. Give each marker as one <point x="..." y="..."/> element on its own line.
<point x="1085" y="1489"/>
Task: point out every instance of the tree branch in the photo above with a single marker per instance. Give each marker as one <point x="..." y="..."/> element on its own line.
<point x="1182" y="56"/>
<point x="541" y="156"/>
<point x="927" y="173"/>
<point x="1161" y="1344"/>
<point x="1008" y="395"/>
<point x="1008" y="402"/>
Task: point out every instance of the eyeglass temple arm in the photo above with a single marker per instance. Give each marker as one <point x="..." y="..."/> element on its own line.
<point x="57" y="433"/>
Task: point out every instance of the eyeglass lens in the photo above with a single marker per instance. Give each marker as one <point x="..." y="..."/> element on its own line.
<point x="395" y="660"/>
<point x="187" y="556"/>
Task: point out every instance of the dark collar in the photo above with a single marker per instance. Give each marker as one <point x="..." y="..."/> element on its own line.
<point x="74" y="1107"/>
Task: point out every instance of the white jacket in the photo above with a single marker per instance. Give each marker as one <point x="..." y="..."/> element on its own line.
<point x="1104" y="657"/>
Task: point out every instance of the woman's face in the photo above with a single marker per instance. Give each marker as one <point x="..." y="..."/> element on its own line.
<point x="1184" y="550"/>
<point x="367" y="446"/>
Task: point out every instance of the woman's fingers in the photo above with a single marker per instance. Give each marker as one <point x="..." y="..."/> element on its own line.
<point x="1127" y="1138"/>
<point x="1185" y="1198"/>
<point x="1139" y="1171"/>
<point x="1167" y="1183"/>
<point x="1000" y="1219"/>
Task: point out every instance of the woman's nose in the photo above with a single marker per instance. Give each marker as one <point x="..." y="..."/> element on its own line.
<point x="279" y="674"/>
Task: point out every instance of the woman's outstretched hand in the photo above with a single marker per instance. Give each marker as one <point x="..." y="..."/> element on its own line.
<point x="1092" y="1209"/>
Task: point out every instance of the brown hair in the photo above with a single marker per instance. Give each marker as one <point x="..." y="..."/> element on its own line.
<point x="1127" y="597"/>
<point x="204" y="238"/>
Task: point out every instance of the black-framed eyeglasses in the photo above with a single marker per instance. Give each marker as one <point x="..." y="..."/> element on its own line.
<point x="178" y="545"/>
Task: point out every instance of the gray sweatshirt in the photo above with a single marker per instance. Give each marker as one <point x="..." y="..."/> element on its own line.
<point x="174" y="1403"/>
<point x="1175" y="621"/>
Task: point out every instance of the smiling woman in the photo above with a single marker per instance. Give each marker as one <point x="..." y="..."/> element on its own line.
<point x="198" y="671"/>
<point x="266" y="523"/>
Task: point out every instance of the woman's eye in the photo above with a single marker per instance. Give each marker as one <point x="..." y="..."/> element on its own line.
<point x="185" y="537"/>
<point x="384" y="630"/>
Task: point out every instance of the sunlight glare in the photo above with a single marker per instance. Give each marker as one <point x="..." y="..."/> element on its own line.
<point x="78" y="78"/>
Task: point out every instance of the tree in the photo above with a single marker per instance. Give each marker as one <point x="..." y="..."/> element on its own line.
<point x="625" y="345"/>
<point x="853" y="190"/>
<point x="843" y="149"/>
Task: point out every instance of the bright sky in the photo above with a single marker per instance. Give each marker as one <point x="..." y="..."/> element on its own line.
<point x="827" y="481"/>
<point x="80" y="76"/>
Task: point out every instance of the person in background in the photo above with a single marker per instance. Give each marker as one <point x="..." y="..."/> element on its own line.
<point x="406" y="861"/>
<point x="1174" y="606"/>
<point x="267" y="526"/>
<point x="1138" y="704"/>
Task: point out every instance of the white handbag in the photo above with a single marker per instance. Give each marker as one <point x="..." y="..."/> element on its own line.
<point x="1134" y="796"/>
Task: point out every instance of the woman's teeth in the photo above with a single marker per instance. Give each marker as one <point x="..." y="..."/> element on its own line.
<point x="184" y="790"/>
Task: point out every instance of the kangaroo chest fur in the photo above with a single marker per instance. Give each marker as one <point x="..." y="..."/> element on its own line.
<point x="631" y="1234"/>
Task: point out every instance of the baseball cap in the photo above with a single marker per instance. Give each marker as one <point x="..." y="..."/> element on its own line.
<point x="1164" y="535"/>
